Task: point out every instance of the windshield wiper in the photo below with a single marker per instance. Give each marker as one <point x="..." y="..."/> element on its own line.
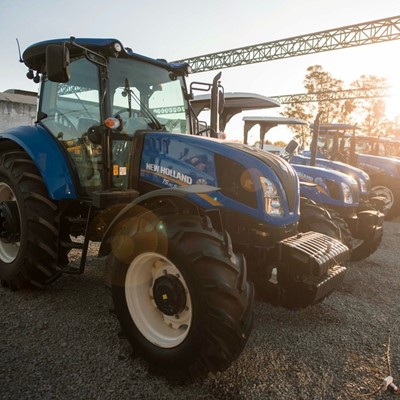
<point x="128" y="92"/>
<point x="155" y="123"/>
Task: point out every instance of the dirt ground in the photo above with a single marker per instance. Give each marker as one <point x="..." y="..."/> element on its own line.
<point x="62" y="343"/>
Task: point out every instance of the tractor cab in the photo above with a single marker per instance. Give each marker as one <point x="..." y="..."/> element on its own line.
<point x="95" y="95"/>
<point x="336" y="141"/>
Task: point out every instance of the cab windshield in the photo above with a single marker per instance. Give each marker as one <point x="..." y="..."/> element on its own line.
<point x="146" y="97"/>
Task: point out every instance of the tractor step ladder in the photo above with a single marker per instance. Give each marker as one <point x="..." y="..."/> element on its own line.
<point x="82" y="246"/>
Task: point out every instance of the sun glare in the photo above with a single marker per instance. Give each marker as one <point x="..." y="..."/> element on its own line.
<point x="392" y="102"/>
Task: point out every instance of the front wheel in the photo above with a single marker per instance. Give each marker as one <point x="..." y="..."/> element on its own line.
<point x="314" y="217"/>
<point x="364" y="247"/>
<point x="180" y="294"/>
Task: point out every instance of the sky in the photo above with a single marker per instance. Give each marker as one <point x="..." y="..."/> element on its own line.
<point x="177" y="29"/>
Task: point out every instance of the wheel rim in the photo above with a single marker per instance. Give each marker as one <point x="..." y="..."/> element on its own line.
<point x="8" y="251"/>
<point x="144" y="277"/>
<point x="385" y="192"/>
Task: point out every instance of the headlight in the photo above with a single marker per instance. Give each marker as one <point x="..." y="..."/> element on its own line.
<point x="363" y="186"/>
<point x="272" y="199"/>
<point x="347" y="196"/>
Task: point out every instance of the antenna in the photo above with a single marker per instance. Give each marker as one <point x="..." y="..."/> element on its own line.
<point x="19" y="51"/>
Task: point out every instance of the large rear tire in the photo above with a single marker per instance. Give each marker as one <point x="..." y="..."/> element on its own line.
<point x="29" y="225"/>
<point x="389" y="189"/>
<point x="180" y="293"/>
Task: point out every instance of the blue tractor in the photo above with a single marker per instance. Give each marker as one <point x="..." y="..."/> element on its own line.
<point x="110" y="160"/>
<point x="340" y="145"/>
<point x="330" y="201"/>
<point x="360" y="225"/>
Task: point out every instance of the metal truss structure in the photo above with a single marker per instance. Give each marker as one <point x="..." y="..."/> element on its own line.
<point x="382" y="30"/>
<point x="350" y="94"/>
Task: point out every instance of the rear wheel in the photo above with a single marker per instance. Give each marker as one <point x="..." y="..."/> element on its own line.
<point x="28" y="225"/>
<point x="389" y="189"/>
<point x="180" y="293"/>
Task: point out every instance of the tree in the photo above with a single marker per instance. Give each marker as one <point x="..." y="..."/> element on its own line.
<point x="280" y="143"/>
<point x="317" y="80"/>
<point x="301" y="111"/>
<point x="371" y="112"/>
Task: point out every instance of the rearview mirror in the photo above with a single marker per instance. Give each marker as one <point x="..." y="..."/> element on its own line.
<point x="292" y="146"/>
<point x="57" y="63"/>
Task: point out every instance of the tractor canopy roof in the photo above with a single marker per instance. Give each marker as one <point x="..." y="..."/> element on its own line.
<point x="368" y="138"/>
<point x="331" y="128"/>
<point x="275" y="120"/>
<point x="34" y="56"/>
<point x="266" y="123"/>
<point x="235" y="102"/>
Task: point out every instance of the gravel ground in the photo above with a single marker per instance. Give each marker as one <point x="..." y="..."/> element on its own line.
<point x="62" y="343"/>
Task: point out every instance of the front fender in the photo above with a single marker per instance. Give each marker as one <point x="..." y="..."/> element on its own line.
<point x="183" y="192"/>
<point x="48" y="157"/>
<point x="370" y="225"/>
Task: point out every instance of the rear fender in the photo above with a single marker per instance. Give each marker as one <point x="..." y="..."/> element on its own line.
<point x="48" y="157"/>
<point x="184" y="193"/>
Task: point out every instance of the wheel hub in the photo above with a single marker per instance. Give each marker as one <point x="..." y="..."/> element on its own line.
<point x="9" y="222"/>
<point x="169" y="295"/>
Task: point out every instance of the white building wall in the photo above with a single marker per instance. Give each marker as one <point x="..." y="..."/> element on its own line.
<point x="16" y="110"/>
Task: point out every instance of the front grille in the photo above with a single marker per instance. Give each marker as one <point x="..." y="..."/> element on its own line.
<point x="309" y="268"/>
<point x="311" y="254"/>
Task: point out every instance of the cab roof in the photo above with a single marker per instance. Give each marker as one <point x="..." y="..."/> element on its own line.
<point x="34" y="56"/>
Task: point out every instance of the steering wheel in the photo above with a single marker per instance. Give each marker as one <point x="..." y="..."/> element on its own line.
<point x="133" y="114"/>
<point x="118" y="113"/>
<point x="343" y="156"/>
<point x="123" y="121"/>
